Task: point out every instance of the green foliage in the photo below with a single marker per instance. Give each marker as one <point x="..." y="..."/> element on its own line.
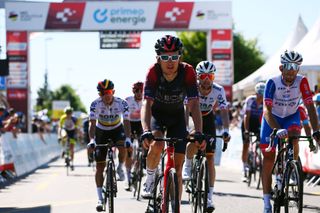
<point x="195" y="47"/>
<point x="247" y="56"/>
<point x="66" y="92"/>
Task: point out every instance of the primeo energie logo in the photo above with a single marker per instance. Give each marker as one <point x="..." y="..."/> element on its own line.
<point x="120" y="16"/>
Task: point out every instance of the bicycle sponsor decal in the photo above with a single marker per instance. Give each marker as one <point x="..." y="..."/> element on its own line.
<point x="65" y="15"/>
<point x="174" y="15"/>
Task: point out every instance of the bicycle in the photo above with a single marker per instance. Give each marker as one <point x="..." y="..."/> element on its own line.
<point x="254" y="160"/>
<point x="109" y="189"/>
<point x="137" y="173"/>
<point x="166" y="189"/>
<point x="198" y="185"/>
<point x="288" y="190"/>
<point x="67" y="156"/>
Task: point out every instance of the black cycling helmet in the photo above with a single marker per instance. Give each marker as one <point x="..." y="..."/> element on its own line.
<point x="105" y="85"/>
<point x="168" y="43"/>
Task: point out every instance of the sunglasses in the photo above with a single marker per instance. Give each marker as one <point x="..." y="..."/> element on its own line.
<point x="210" y="76"/>
<point x="291" y="66"/>
<point x="107" y="92"/>
<point x="137" y="90"/>
<point x="168" y="57"/>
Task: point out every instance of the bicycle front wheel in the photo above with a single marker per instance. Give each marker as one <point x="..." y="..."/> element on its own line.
<point x="171" y="197"/>
<point x="202" y="187"/>
<point x="293" y="201"/>
<point x="110" y="186"/>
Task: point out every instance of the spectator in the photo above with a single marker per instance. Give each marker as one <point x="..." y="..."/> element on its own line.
<point x="12" y="123"/>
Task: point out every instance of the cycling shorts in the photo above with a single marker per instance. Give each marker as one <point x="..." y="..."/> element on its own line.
<point x="71" y="135"/>
<point x="102" y="136"/>
<point x="176" y="128"/>
<point x="291" y="122"/>
<point x="209" y="128"/>
<point x="136" y="128"/>
<point x="254" y="126"/>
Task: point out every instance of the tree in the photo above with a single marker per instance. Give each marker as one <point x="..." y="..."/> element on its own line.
<point x="247" y="55"/>
<point x="66" y="92"/>
<point x="44" y="96"/>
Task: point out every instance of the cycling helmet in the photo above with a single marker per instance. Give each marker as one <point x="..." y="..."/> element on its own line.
<point x="168" y="43"/>
<point x="259" y="88"/>
<point x="291" y="57"/>
<point x="138" y="85"/>
<point x="105" y="85"/>
<point x="316" y="97"/>
<point x="68" y="109"/>
<point x="205" y="67"/>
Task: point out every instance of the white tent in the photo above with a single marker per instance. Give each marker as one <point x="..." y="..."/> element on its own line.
<point x="309" y="47"/>
<point x="271" y="67"/>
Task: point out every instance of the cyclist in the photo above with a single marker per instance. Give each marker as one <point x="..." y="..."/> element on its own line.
<point x="316" y="99"/>
<point x="86" y="139"/>
<point x="167" y="84"/>
<point x="70" y="125"/>
<point x="253" y="108"/>
<point x="210" y="94"/>
<point x="134" y="103"/>
<point x="281" y="100"/>
<point x="105" y="123"/>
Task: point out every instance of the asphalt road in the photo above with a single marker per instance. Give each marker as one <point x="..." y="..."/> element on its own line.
<point x="49" y="189"/>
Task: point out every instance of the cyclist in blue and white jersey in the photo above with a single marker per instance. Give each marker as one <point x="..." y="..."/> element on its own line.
<point x="281" y="101"/>
<point x="253" y="108"/>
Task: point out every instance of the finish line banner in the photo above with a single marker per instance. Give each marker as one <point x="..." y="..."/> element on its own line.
<point x="122" y="15"/>
<point x="120" y="39"/>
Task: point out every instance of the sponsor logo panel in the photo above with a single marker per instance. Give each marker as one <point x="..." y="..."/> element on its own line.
<point x="211" y="15"/>
<point x="174" y="15"/>
<point x="65" y="15"/>
<point x="118" y="15"/>
<point x="26" y="16"/>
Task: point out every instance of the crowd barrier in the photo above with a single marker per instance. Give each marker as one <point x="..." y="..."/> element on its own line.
<point x="310" y="160"/>
<point x="27" y="152"/>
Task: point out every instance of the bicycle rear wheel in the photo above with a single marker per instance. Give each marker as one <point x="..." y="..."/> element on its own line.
<point x="293" y="188"/>
<point x="171" y="197"/>
<point x="202" y="187"/>
<point x="138" y="174"/>
<point x="154" y="205"/>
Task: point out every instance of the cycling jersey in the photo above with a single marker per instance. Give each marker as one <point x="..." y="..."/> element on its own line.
<point x="253" y="107"/>
<point x="68" y="124"/>
<point x="217" y="95"/>
<point x="134" y="108"/>
<point x="168" y="96"/>
<point x="109" y="116"/>
<point x="285" y="99"/>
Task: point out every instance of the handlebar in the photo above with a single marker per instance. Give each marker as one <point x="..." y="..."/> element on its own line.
<point x="273" y="135"/>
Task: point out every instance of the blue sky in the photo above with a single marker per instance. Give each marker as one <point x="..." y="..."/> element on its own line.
<point x="75" y="58"/>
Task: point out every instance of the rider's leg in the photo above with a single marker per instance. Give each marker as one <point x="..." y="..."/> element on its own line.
<point x="212" y="174"/>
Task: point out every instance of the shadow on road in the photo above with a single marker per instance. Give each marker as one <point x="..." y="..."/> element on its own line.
<point x="225" y="181"/>
<point x="312" y="208"/>
<point x="39" y="209"/>
<point x="237" y="195"/>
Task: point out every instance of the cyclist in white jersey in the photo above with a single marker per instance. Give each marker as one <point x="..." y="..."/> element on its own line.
<point x="105" y="123"/>
<point x="134" y="103"/>
<point x="281" y="101"/>
<point x="210" y="94"/>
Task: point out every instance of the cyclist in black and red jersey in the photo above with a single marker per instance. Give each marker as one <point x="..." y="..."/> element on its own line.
<point x="167" y="84"/>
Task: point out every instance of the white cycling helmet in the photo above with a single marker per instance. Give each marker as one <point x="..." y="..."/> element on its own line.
<point x="259" y="88"/>
<point x="291" y="57"/>
<point x="205" y="67"/>
<point x="316" y="97"/>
